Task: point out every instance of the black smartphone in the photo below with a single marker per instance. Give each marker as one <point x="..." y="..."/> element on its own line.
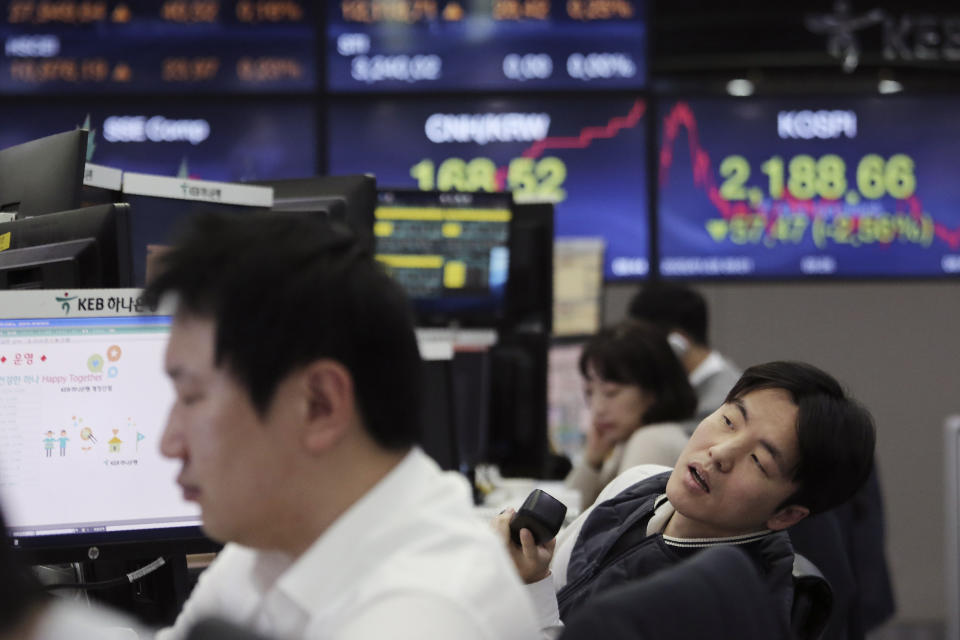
<point x="542" y="514"/>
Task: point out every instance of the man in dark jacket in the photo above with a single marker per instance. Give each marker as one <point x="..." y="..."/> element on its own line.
<point x="786" y="443"/>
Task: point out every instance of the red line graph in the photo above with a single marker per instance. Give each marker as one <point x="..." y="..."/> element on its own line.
<point x="589" y="134"/>
<point x="682" y="116"/>
<point x="583" y="140"/>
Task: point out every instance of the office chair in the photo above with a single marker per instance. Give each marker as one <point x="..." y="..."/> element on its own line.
<point x="812" y="600"/>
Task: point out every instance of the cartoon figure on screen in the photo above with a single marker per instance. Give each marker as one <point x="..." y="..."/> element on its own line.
<point x="115" y="442"/>
<point x="48" y="443"/>
<point x="63" y="442"/>
<point x="86" y="434"/>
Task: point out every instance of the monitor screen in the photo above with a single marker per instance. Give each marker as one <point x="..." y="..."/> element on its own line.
<point x="87" y="247"/>
<point x="83" y="407"/>
<point x="809" y="187"/>
<point x="449" y="251"/>
<point x="157" y="46"/>
<point x="43" y="175"/>
<point x="156" y="221"/>
<point x="488" y="46"/>
<point x="71" y="264"/>
<point x="347" y="199"/>
<point x="203" y="138"/>
<point x="585" y="154"/>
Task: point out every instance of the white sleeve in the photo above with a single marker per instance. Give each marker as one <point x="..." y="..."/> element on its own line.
<point x="654" y="444"/>
<point x="544" y="597"/>
<point x="204" y="600"/>
<point x="415" y="616"/>
<point x="628" y="478"/>
<point x="585" y="479"/>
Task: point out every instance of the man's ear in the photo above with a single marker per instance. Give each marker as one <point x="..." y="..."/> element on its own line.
<point x="787" y="517"/>
<point x="330" y="404"/>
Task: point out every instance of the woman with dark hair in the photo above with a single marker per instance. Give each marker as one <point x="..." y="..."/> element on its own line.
<point x="638" y="394"/>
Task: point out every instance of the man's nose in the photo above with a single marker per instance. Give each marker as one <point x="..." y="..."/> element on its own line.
<point x="724" y="454"/>
<point x="171" y="442"/>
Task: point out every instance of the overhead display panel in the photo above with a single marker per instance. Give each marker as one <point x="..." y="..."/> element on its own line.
<point x="460" y="45"/>
<point x="807" y="187"/>
<point x="157" y="46"/>
<point x="255" y="139"/>
<point x="585" y="154"/>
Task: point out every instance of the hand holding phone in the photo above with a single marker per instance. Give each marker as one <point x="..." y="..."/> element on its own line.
<point x="542" y="514"/>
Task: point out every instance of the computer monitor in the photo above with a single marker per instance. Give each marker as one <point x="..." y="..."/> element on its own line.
<point x="83" y="405"/>
<point x="347" y="199"/>
<point x="530" y="294"/>
<point x="43" y="175"/>
<point x="88" y="247"/>
<point x="449" y="251"/>
<point x="156" y="221"/>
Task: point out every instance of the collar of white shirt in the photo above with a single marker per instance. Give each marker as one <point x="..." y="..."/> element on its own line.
<point x="349" y="547"/>
<point x="712" y="364"/>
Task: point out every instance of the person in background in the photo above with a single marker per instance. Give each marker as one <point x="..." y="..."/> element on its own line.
<point x="638" y="395"/>
<point x="297" y="376"/>
<point x="682" y="313"/>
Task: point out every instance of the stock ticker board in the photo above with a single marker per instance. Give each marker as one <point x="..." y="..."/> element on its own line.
<point x="585" y="154"/>
<point x="250" y="139"/>
<point x="846" y="187"/>
<point x="423" y="45"/>
<point x="157" y="46"/>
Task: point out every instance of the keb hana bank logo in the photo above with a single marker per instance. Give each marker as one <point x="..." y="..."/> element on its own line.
<point x="64" y="301"/>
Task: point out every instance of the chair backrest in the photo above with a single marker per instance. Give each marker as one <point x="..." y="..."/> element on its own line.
<point x="812" y="600"/>
<point x="718" y="593"/>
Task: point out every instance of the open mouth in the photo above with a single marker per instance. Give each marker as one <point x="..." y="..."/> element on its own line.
<point x="699" y="479"/>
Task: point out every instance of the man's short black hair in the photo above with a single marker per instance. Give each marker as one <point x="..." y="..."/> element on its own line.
<point x="638" y="353"/>
<point x="836" y="434"/>
<point x="285" y="289"/>
<point x="672" y="306"/>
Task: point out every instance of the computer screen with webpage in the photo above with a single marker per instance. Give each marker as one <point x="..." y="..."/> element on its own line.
<point x="449" y="251"/>
<point x="83" y="403"/>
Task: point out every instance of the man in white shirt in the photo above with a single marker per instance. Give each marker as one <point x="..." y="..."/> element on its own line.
<point x="297" y="379"/>
<point x="682" y="313"/>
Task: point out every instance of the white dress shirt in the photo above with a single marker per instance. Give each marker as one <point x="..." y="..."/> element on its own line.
<point x="62" y="618"/>
<point x="408" y="560"/>
<point x="711" y="381"/>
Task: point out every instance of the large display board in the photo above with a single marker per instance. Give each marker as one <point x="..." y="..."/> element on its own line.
<point x="585" y="154"/>
<point x="168" y="46"/>
<point x="423" y="45"/>
<point x="249" y="140"/>
<point x="805" y="187"/>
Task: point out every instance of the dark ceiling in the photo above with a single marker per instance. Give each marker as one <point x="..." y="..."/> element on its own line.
<point x="786" y="46"/>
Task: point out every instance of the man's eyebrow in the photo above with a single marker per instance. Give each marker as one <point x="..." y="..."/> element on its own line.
<point x="738" y="403"/>
<point x="775" y="454"/>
